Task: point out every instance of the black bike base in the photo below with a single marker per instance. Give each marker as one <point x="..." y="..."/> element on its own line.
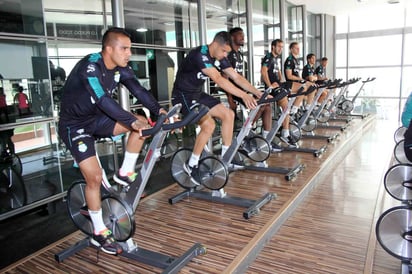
<point x="253" y="206"/>
<point x="290" y="173"/>
<point x="361" y="116"/>
<point x="327" y="126"/>
<point x="167" y="263"/>
<point x="315" y="152"/>
<point x="329" y="138"/>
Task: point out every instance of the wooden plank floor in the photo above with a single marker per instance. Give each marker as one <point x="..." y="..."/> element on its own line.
<point x="228" y="237"/>
<point x="334" y="227"/>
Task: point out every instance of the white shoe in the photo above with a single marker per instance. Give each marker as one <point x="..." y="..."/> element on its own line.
<point x="261" y="164"/>
<point x="219" y="193"/>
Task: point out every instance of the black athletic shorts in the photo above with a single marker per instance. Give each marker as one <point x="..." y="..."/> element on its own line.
<point x="187" y="101"/>
<point x="80" y="139"/>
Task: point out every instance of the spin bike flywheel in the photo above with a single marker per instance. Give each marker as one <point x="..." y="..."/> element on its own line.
<point x="310" y="124"/>
<point x="117" y="215"/>
<point x="399" y="134"/>
<point x="324" y="116"/>
<point x="213" y="173"/>
<point x="399" y="153"/>
<point x="347" y="106"/>
<point x="180" y="158"/>
<point x="256" y="148"/>
<point x="398" y="182"/>
<point x="76" y="205"/>
<point x="394" y="232"/>
<point x="295" y="132"/>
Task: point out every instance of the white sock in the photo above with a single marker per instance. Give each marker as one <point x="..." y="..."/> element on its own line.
<point x="294" y="110"/>
<point x="194" y="160"/>
<point x="265" y="133"/>
<point x="285" y="132"/>
<point x="224" y="149"/>
<point x="97" y="220"/>
<point x="129" y="163"/>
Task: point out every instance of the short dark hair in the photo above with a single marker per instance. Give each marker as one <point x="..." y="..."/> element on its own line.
<point x="276" y="42"/>
<point x="111" y="33"/>
<point x="310" y="55"/>
<point x="292" y="45"/>
<point x="222" y="38"/>
<point x="324" y="59"/>
<point x="234" y="30"/>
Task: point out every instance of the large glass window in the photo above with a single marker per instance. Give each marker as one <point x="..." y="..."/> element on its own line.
<point x="165" y="23"/>
<point x="22" y="16"/>
<point x="379" y="18"/>
<point x="26" y="82"/>
<point x="266" y="27"/>
<point x="375" y="51"/>
<point x="77" y="19"/>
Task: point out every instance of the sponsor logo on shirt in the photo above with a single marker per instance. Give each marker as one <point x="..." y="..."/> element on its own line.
<point x="90" y="68"/>
<point x="117" y="76"/>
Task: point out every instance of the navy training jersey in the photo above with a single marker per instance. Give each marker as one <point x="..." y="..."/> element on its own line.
<point x="236" y="60"/>
<point x="89" y="88"/>
<point x="189" y="77"/>
<point x="293" y="64"/>
<point x="320" y="71"/>
<point x="308" y="70"/>
<point x="273" y="64"/>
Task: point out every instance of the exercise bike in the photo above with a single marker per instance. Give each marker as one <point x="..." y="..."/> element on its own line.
<point x="302" y="121"/>
<point x="320" y="114"/>
<point x="345" y="106"/>
<point x="119" y="203"/>
<point x="214" y="172"/>
<point x="393" y="228"/>
<point x="331" y="109"/>
<point x="290" y="173"/>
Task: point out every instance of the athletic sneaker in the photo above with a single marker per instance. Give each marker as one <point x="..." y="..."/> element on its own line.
<point x="289" y="141"/>
<point x="276" y="148"/>
<point x="193" y="173"/>
<point x="129" y="179"/>
<point x="106" y="243"/>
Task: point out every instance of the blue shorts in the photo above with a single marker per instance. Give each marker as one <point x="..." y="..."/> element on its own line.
<point x="188" y="100"/>
<point x="80" y="139"/>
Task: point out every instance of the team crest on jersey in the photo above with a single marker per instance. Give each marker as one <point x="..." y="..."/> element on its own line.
<point x="82" y="147"/>
<point x="90" y="68"/>
<point x="117" y="76"/>
<point x="80" y="131"/>
<point x="204" y="58"/>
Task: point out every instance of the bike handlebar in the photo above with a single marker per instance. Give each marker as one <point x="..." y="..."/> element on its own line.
<point x="193" y="117"/>
<point x="147" y="132"/>
<point x="369" y="80"/>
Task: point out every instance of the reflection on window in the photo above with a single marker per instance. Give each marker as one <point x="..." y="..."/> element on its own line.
<point x="22" y="16"/>
<point x="166" y="23"/>
<point x="25" y="84"/>
<point x="82" y="19"/>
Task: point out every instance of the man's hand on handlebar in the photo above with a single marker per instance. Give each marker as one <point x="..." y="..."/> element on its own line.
<point x="139" y="125"/>
<point x="249" y="101"/>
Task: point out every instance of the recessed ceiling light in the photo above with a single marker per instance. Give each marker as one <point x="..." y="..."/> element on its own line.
<point x="141" y="29"/>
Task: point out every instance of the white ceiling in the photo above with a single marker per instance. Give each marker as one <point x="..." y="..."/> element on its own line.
<point x="346" y="7"/>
